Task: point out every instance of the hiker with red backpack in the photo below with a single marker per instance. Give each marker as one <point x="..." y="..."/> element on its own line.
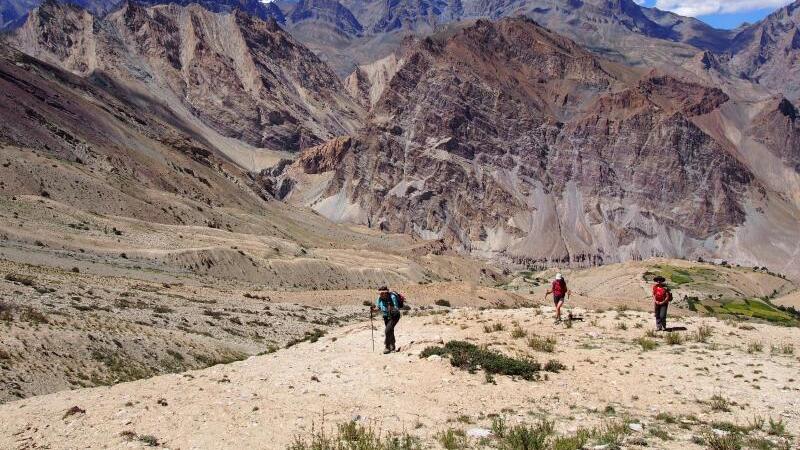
<point x="661" y="296"/>
<point x="560" y="291"/>
<point x="389" y="303"/>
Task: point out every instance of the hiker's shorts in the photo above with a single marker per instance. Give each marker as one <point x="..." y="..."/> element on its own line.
<point x="558" y="299"/>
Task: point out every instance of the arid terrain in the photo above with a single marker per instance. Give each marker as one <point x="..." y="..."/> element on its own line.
<point x="199" y="201"/>
<point x="712" y="380"/>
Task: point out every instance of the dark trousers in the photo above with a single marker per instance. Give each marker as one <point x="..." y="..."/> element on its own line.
<point x="661" y="316"/>
<point x="390" y="322"/>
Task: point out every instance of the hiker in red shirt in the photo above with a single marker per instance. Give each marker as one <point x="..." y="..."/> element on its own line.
<point x="661" y="296"/>
<point x="559" y="291"/>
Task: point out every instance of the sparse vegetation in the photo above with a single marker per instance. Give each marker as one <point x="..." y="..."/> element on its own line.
<point x="755" y="347"/>
<point x="540" y="344"/>
<point x="442" y="302"/>
<point x="646" y="344"/>
<point x="673" y="338"/>
<point x="453" y="439"/>
<point x="20" y="279"/>
<point x="467" y="356"/>
<point x="719" y="403"/>
<point x="354" y="436"/>
<point x="310" y="336"/>
<point x="518" y="332"/>
<point x="703" y="333"/>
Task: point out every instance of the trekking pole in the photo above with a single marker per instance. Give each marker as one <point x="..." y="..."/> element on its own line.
<point x="372" y="330"/>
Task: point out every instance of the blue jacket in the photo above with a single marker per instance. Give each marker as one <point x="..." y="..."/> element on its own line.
<point x="384" y="307"/>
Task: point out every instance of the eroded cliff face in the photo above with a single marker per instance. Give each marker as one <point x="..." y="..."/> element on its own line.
<point x="242" y="76"/>
<point x="508" y="140"/>
<point x="767" y="52"/>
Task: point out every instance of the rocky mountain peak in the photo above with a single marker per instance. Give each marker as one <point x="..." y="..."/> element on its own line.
<point x="329" y="12"/>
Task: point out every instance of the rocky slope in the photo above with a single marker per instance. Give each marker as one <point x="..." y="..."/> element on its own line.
<point x="508" y="140"/>
<point x="768" y="51"/>
<point x="242" y="77"/>
<point x="329" y="13"/>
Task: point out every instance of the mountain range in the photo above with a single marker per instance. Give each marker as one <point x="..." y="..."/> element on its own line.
<point x="530" y="132"/>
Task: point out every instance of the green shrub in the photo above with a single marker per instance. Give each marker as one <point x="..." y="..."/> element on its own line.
<point x="527" y="437"/>
<point x="518" y="333"/>
<point x="452" y="439"/>
<point x="666" y="418"/>
<point x="554" y="366"/>
<point x="776" y="428"/>
<point x="540" y="344"/>
<point x="719" y="403"/>
<point x="646" y="344"/>
<point x="442" y="302"/>
<point x="353" y="436"/>
<point x="149" y="440"/>
<point x="467" y="356"/>
<point x="660" y="433"/>
<point x="433" y="350"/>
<point x="731" y="441"/>
<point x="674" y="338"/>
<point x="574" y="442"/>
<point x="499" y="426"/>
<point x="611" y="434"/>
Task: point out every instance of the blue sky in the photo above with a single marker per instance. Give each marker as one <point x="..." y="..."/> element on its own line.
<point x="720" y="13"/>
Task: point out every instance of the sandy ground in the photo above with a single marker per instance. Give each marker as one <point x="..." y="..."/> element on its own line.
<point x="266" y="401"/>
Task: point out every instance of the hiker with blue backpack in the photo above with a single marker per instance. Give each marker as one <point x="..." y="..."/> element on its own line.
<point x="389" y="304"/>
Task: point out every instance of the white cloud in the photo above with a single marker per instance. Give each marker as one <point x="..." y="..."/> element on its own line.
<point x="694" y="8"/>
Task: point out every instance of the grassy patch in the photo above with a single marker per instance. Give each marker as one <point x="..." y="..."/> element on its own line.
<point x="353" y="436"/>
<point x="678" y="276"/>
<point x="756" y="309"/>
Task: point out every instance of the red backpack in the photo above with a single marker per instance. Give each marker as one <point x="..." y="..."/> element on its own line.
<point x="559" y="287"/>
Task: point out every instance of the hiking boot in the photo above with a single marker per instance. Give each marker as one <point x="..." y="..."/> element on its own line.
<point x="386" y="351"/>
<point x="557" y="321"/>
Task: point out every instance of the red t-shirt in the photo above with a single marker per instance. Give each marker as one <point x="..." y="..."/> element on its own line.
<point x="661" y="294"/>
